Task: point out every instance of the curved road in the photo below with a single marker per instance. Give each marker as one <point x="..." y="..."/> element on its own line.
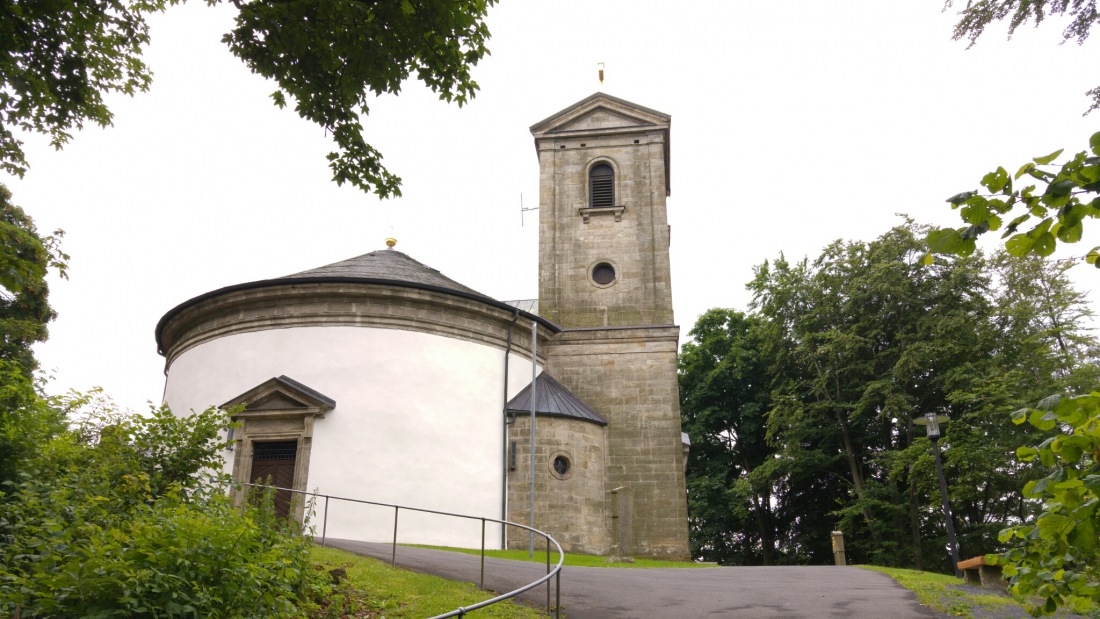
<point x="600" y="593"/>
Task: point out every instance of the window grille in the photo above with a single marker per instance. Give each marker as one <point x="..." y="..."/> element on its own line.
<point x="281" y="450"/>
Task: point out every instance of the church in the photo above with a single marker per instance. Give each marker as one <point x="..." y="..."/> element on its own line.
<point x="380" y="378"/>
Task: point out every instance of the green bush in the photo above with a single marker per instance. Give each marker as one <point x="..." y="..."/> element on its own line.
<point x="1057" y="557"/>
<point x="124" y="517"/>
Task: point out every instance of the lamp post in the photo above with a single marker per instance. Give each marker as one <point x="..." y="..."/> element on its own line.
<point x="932" y="422"/>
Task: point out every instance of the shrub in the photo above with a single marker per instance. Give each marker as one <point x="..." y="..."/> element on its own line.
<point x="124" y="517"/>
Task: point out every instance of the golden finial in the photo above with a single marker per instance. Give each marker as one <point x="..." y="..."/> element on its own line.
<point x="600" y="65"/>
<point x="390" y="242"/>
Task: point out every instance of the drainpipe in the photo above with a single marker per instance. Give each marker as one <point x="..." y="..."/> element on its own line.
<point x="504" y="488"/>
<point x="534" y="404"/>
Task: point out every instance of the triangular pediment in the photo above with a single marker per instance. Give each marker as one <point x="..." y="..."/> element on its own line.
<point x="601" y="112"/>
<point x="282" y="394"/>
<point x="276" y="400"/>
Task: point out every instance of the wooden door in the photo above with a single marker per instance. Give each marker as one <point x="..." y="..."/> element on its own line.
<point x="273" y="463"/>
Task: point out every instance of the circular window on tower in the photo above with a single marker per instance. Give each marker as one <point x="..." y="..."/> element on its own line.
<point x="603" y="274"/>
<point x="561" y="465"/>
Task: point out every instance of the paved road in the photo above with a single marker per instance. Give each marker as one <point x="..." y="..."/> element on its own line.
<point x="668" y="593"/>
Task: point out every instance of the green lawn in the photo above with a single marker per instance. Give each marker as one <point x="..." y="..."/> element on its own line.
<point x="570" y="559"/>
<point x="376" y="590"/>
<point x="947" y="594"/>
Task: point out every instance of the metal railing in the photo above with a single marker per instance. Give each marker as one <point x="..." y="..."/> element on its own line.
<point x="551" y="572"/>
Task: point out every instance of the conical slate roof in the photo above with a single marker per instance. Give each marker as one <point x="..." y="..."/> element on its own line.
<point x="383" y="267"/>
<point x="385" y="264"/>
<point x="554" y="400"/>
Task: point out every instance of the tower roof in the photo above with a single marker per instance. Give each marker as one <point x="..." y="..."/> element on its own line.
<point x="554" y="400"/>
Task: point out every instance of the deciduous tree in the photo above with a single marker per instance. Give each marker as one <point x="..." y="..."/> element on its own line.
<point x="58" y="59"/>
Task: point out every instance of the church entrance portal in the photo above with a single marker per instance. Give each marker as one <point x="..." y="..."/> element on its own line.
<point x="273" y="463"/>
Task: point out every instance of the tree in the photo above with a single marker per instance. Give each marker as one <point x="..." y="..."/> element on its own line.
<point x="875" y="341"/>
<point x="58" y="59"/>
<point x="25" y="257"/>
<point x="980" y="13"/>
<point x="801" y="413"/>
<point x="724" y="399"/>
<point x="1055" y="556"/>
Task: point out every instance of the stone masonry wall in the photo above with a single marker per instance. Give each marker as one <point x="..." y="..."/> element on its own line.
<point x="572" y="508"/>
<point x="628" y="375"/>
<point x="635" y="241"/>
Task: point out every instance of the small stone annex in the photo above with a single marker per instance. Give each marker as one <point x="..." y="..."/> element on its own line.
<point x="380" y="378"/>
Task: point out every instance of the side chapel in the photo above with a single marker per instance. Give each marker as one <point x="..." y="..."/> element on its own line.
<point x="380" y="378"/>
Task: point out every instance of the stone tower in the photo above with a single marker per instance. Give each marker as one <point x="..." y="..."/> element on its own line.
<point x="604" y="276"/>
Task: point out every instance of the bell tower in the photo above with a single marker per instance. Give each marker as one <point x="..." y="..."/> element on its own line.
<point x="604" y="276"/>
<point x="603" y="227"/>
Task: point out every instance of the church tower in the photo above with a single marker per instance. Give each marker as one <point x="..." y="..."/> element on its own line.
<point x="604" y="277"/>
<point x="603" y="228"/>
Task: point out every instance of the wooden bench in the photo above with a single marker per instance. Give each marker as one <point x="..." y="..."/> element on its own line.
<point x="977" y="572"/>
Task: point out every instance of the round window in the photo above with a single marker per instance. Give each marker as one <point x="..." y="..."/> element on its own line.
<point x="603" y="273"/>
<point x="561" y="466"/>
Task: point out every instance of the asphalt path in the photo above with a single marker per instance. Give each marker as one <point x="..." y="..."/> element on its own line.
<point x="660" y="593"/>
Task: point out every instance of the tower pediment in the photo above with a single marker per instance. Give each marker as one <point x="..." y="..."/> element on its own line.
<point x="601" y="112"/>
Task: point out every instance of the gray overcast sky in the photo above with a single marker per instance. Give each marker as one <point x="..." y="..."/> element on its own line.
<point x="794" y="124"/>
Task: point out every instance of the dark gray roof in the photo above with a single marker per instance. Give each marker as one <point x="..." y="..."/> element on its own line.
<point x="554" y="400"/>
<point x="386" y="267"/>
<point x="293" y="384"/>
<point x="385" y="264"/>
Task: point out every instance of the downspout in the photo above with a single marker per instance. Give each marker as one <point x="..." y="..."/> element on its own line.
<point x="504" y="407"/>
<point x="534" y="404"/>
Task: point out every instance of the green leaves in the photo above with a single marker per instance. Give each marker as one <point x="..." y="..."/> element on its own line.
<point x="1071" y="190"/>
<point x="997" y="181"/>
<point x="58" y="59"/>
<point x="331" y="57"/>
<point x="1061" y="548"/>
<point x="1048" y="158"/>
<point x="122" y="517"/>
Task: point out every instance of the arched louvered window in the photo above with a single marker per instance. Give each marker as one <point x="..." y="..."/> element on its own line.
<point x="601" y="186"/>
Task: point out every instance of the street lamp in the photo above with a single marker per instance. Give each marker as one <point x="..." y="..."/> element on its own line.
<point x="932" y="422"/>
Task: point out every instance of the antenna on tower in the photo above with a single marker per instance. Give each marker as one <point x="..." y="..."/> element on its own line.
<point x="523" y="210"/>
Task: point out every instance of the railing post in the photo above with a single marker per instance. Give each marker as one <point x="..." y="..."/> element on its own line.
<point x="548" y="611"/>
<point x="324" y="526"/>
<point x="557" y="588"/>
<point x="483" y="553"/>
<point x="393" y="558"/>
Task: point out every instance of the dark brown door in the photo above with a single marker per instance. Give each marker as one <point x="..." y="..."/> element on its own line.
<point x="273" y="463"/>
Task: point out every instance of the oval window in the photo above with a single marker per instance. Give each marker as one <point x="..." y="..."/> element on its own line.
<point x="561" y="466"/>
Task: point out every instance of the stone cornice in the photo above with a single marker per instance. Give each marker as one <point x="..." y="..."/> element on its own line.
<point x="346" y="304"/>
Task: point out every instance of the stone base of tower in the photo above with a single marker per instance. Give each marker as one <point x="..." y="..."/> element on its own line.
<point x="628" y="375"/>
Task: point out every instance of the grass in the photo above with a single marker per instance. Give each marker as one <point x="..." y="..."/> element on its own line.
<point x="575" y="560"/>
<point x="376" y="590"/>
<point x="946" y="594"/>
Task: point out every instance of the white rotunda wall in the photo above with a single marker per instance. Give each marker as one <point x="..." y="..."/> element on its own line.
<point x="417" y="422"/>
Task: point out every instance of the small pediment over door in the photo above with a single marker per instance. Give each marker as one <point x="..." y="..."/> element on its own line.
<point x="282" y="394"/>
